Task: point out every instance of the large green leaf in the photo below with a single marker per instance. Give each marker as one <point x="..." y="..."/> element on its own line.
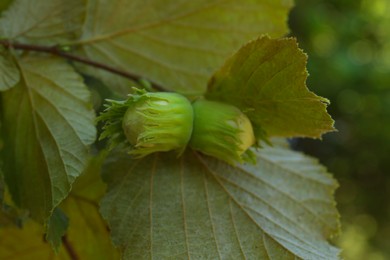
<point x="9" y="73"/>
<point x="266" y="79"/>
<point x="175" y="43"/>
<point x="47" y="127"/>
<point x="42" y="21"/>
<point x="197" y="207"/>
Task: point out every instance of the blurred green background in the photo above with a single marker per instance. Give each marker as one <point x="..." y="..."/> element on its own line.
<point x="348" y="43"/>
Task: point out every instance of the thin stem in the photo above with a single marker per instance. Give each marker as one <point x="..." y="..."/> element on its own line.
<point x="69" y="248"/>
<point x="54" y="50"/>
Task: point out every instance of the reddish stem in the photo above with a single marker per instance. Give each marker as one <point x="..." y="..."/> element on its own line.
<point x="58" y="52"/>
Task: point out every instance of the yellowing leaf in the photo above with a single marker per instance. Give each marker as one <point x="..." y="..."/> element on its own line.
<point x="88" y="233"/>
<point x="9" y="73"/>
<point x="47" y="127"/>
<point x="87" y="236"/>
<point x="177" y="44"/>
<point x="27" y="243"/>
<point x="42" y="21"/>
<point x="196" y="207"/>
<point x="266" y="79"/>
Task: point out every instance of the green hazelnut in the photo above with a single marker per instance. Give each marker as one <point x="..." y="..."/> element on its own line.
<point x="221" y="130"/>
<point x="149" y="122"/>
<point x="158" y="122"/>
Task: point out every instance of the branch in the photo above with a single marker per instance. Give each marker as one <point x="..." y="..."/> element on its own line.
<point x="54" y="50"/>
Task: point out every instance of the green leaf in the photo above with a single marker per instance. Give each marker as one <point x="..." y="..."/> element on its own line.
<point x="56" y="228"/>
<point x="47" y="127"/>
<point x="177" y="44"/>
<point x="42" y="22"/>
<point x="9" y="73"/>
<point x="266" y="80"/>
<point x="4" y="4"/>
<point x="198" y="207"/>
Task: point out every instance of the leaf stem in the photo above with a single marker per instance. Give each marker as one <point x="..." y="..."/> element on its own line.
<point x="69" y="248"/>
<point x="56" y="50"/>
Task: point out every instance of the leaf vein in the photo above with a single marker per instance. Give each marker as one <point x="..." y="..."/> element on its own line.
<point x="155" y="60"/>
<point x="235" y="229"/>
<point x="210" y="215"/>
<point x="292" y="234"/>
<point x="263" y="201"/>
<point x="56" y="109"/>
<point x="286" y="195"/>
<point x="149" y="25"/>
<point x="183" y="207"/>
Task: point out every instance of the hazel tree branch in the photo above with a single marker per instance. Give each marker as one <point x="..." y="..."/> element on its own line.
<point x="55" y="50"/>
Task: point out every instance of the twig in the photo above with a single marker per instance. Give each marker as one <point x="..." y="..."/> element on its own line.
<point x="58" y="52"/>
<point x="69" y="248"/>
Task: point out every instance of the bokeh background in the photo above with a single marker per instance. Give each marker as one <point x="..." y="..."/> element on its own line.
<point x="348" y="43"/>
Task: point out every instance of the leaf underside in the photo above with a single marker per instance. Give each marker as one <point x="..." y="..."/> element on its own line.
<point x="42" y="22"/>
<point x="197" y="207"/>
<point x="47" y="127"/>
<point x="266" y="79"/>
<point x="177" y="44"/>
